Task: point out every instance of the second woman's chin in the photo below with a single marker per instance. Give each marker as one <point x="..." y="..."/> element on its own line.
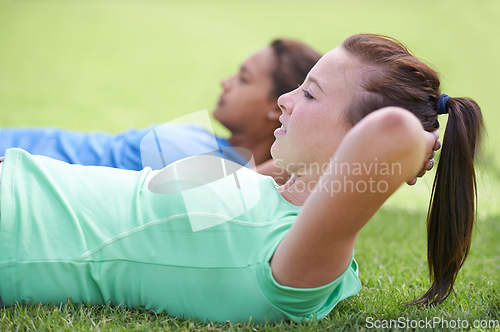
<point x="218" y="114"/>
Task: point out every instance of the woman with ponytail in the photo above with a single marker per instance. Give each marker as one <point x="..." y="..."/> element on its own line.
<point x="202" y="245"/>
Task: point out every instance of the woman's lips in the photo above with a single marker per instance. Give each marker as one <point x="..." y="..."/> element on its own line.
<point x="281" y="130"/>
<point x="220" y="102"/>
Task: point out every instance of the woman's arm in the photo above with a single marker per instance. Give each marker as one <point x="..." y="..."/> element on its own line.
<point x="384" y="150"/>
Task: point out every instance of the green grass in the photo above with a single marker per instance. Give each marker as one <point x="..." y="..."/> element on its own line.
<point x="111" y="65"/>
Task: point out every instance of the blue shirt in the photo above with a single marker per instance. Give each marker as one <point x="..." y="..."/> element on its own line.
<point x="134" y="149"/>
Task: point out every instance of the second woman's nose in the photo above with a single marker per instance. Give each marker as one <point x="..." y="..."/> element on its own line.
<point x="226" y="82"/>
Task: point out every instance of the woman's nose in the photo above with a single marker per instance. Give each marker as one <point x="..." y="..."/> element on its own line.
<point x="284" y="103"/>
<point x="226" y="82"/>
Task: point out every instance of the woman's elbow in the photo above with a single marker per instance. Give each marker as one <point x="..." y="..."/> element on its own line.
<point x="395" y="133"/>
<point x="399" y="126"/>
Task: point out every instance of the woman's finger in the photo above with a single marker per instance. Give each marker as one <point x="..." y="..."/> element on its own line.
<point x="412" y="182"/>
<point x="437" y="145"/>
<point x="429" y="164"/>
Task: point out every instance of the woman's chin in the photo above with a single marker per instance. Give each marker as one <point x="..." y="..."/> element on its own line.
<point x="275" y="152"/>
<point x="216" y="113"/>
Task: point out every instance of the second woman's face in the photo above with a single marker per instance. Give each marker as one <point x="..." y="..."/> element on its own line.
<point x="313" y="116"/>
<point x="246" y="100"/>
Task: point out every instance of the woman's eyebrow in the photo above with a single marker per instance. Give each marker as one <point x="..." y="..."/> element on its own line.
<point x="312" y="79"/>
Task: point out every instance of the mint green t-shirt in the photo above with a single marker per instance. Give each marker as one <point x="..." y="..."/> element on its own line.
<point x="99" y="235"/>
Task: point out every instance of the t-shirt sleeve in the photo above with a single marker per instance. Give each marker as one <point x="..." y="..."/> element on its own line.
<point x="307" y="303"/>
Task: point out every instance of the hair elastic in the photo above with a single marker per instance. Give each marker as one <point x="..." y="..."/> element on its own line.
<point x="441" y="104"/>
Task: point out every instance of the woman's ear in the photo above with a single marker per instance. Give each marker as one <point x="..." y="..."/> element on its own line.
<point x="274" y="115"/>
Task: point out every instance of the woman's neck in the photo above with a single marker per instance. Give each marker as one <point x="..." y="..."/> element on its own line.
<point x="298" y="189"/>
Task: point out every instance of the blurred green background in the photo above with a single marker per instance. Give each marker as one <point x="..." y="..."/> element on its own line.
<point x="110" y="65"/>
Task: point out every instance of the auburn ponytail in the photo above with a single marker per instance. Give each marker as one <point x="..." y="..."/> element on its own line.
<point x="452" y="210"/>
<point x="397" y="78"/>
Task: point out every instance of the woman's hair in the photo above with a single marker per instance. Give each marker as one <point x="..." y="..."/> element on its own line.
<point x="294" y="60"/>
<point x="394" y="77"/>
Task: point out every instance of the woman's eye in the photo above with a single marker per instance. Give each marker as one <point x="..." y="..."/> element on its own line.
<point x="243" y="79"/>
<point x="307" y="94"/>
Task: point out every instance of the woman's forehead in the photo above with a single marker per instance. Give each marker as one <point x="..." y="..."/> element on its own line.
<point x="260" y="62"/>
<point x="336" y="67"/>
